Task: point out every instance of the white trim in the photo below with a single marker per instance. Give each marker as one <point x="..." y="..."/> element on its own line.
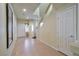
<point x="54" y="47"/>
<point x="49" y="45"/>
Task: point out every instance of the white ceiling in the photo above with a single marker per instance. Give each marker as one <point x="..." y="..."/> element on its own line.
<point x="30" y="8"/>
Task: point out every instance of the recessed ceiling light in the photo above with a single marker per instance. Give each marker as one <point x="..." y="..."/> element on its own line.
<point x="24" y="10"/>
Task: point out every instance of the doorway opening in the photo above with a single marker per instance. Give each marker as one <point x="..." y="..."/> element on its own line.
<point x="27" y="29"/>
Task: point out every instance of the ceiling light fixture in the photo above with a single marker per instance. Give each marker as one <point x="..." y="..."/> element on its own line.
<point x="24" y="10"/>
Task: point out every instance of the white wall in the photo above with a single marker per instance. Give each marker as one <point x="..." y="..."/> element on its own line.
<point x="3" y="46"/>
<point x="78" y="24"/>
<point x="21" y="29"/>
<point x="48" y="32"/>
<point x="2" y="29"/>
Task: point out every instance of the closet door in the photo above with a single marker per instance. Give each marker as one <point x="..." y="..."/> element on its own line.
<point x="66" y="28"/>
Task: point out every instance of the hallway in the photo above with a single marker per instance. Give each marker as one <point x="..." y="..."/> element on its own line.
<point x="39" y="29"/>
<point x="33" y="47"/>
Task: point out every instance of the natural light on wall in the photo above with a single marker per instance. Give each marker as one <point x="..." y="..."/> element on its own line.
<point x="26" y="28"/>
<point x="32" y="28"/>
<point x="50" y="9"/>
<point x="41" y="24"/>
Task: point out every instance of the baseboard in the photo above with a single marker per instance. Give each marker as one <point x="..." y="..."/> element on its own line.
<point x="49" y="45"/>
<point x="54" y="47"/>
<point x="65" y="52"/>
<point x="21" y="37"/>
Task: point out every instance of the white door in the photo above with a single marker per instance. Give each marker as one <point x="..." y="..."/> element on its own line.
<point x="66" y="28"/>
